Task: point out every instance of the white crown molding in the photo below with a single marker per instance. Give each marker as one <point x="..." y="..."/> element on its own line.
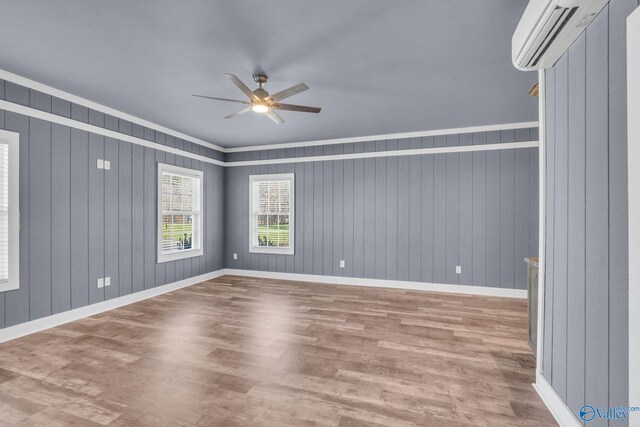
<point x="379" y="283"/>
<point x="391" y="153"/>
<point x="23" y="81"/>
<point x="54" y="118"/>
<point x="560" y="411"/>
<point x="17" y="331"/>
<point x="403" y="135"/>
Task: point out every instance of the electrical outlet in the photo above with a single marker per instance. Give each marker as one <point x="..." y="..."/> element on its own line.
<point x="235" y="256"/>
<point x="107" y="165"/>
<point x="100" y="164"/>
<point x="101" y="282"/>
<point x="107" y="281"/>
<point x="458" y="269"/>
<point x="341" y="263"/>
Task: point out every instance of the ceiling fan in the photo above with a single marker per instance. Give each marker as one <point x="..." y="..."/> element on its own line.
<point x="261" y="102"/>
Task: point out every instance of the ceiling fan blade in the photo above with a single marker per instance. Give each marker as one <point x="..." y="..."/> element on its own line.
<point x="301" y="108"/>
<point x="274" y="116"/>
<point x="221" y="99"/>
<point x="237" y="113"/>
<point x="301" y="87"/>
<point x="243" y="87"/>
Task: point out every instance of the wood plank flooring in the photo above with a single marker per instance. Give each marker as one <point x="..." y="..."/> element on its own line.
<point x="238" y="351"/>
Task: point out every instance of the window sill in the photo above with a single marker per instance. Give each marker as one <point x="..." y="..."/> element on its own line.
<point x="270" y="250"/>
<point x="191" y="253"/>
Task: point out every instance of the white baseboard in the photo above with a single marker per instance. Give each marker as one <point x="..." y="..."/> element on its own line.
<point x="556" y="406"/>
<point x="378" y="283"/>
<point x="17" y="331"/>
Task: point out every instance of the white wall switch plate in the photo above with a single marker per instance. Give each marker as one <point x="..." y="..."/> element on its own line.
<point x="100" y="164"/>
<point x="235" y="256"/>
<point x="107" y="281"/>
<point x="341" y="263"/>
<point x="458" y="269"/>
<point x="101" y="282"/>
<point x="107" y="165"/>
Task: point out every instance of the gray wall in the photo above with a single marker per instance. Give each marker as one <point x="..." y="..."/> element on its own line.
<point x="586" y="316"/>
<point x="79" y="223"/>
<point x="403" y="218"/>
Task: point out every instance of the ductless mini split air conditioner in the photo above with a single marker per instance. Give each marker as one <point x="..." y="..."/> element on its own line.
<point x="547" y="29"/>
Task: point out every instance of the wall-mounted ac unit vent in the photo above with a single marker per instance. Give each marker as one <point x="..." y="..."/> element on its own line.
<point x="547" y="29"/>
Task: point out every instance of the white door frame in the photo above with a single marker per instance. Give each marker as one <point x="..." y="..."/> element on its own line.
<point x="633" y="147"/>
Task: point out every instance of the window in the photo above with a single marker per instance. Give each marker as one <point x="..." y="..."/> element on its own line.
<point x="9" y="212"/>
<point x="271" y="213"/>
<point x="179" y="213"/>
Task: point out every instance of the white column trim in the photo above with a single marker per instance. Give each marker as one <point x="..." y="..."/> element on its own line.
<point x="633" y="147"/>
<point x="541" y="218"/>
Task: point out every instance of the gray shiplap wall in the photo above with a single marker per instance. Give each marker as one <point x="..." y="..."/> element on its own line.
<point x="79" y="223"/>
<point x="586" y="308"/>
<point x="401" y="218"/>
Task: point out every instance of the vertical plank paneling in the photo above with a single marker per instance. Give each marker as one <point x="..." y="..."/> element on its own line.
<point x="40" y="218"/>
<point x="96" y="218"/>
<point x="415" y="213"/>
<point x="479" y="202"/>
<point x="597" y="217"/>
<point x="111" y="217"/>
<point x="17" y="302"/>
<point x="440" y="213"/>
<point x="507" y="218"/>
<point x="309" y="215"/>
<point x="125" y="231"/>
<point x="452" y="217"/>
<point x="522" y="211"/>
<point x="465" y="247"/>
<point x="327" y="215"/>
<point x="79" y="216"/>
<point x="348" y="228"/>
<point x="427" y="210"/>
<point x="338" y="214"/>
<point x="576" y="226"/>
<point x="137" y="217"/>
<point x="390" y="208"/>
<point x="299" y="217"/>
<point x="149" y="210"/>
<point x="318" y="217"/>
<point x="402" y="220"/>
<point x="547" y="365"/>
<point x="359" y="217"/>
<point x="618" y="205"/>
<point x="60" y="218"/>
<point x="380" y="211"/>
<point x="493" y="240"/>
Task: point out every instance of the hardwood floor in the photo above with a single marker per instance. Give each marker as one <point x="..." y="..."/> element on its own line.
<point x="256" y="352"/>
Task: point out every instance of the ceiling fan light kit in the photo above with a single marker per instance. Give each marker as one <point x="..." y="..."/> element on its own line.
<point x="261" y="102"/>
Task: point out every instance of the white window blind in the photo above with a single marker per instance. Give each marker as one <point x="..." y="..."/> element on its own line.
<point x="9" y="211"/>
<point x="179" y="212"/>
<point x="272" y="213"/>
<point x="4" y="213"/>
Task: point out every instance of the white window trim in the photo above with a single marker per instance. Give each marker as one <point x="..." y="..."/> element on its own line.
<point x="253" y="248"/>
<point x="189" y="253"/>
<point x="13" y="140"/>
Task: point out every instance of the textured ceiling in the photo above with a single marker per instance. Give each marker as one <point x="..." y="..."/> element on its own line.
<point x="374" y="67"/>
